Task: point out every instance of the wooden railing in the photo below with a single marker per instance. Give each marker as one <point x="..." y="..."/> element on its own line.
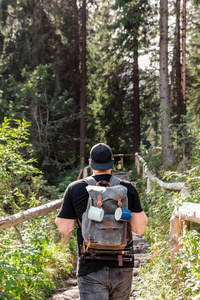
<point x="186" y="213"/>
<point x="38" y="211"/>
<point x="42" y="210"/>
<point x="121" y="156"/>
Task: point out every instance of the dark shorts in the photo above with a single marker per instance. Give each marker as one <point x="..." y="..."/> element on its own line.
<point x="106" y="284"/>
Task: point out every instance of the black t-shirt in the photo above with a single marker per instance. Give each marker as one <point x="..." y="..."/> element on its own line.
<point x="74" y="205"/>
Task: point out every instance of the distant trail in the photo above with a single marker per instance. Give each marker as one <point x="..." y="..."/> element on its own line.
<point x="140" y="250"/>
<point x="123" y="175"/>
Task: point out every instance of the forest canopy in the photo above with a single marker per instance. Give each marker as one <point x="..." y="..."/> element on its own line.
<point x="75" y="73"/>
<point x="88" y="72"/>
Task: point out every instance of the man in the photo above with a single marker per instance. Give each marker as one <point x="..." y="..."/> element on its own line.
<point x="98" y="279"/>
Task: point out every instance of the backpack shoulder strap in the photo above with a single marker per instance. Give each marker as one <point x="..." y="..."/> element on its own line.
<point x="90" y="180"/>
<point x="114" y="180"/>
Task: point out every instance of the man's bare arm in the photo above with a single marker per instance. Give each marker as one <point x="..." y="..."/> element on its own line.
<point x="65" y="226"/>
<point x="138" y="222"/>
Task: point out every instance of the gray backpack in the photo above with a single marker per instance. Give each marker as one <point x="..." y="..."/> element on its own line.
<point x="107" y="238"/>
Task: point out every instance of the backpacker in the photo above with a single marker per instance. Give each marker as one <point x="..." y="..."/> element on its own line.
<point x="106" y="239"/>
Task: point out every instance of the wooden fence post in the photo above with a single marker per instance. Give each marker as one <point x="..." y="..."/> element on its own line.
<point x="85" y="171"/>
<point x="137" y="163"/>
<point x="148" y="184"/>
<point x="122" y="161"/>
<point x="144" y="171"/>
<point x="176" y="228"/>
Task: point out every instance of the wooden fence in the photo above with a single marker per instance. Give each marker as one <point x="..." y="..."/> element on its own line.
<point x="121" y="156"/>
<point x="188" y="212"/>
<point x="42" y="210"/>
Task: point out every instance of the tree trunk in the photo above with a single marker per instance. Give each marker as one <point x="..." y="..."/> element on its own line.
<point x="179" y="96"/>
<point x="167" y="151"/>
<point x="35" y="60"/>
<point x="184" y="57"/>
<point x="77" y="80"/>
<point x="83" y="88"/>
<point x="136" y="106"/>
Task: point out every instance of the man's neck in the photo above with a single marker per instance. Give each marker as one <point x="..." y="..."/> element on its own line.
<point x="101" y="172"/>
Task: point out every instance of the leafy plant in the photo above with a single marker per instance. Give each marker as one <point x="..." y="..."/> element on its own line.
<point x="17" y="171"/>
<point x="33" y="270"/>
<point x="156" y="280"/>
<point x="187" y="275"/>
<point x="22" y="272"/>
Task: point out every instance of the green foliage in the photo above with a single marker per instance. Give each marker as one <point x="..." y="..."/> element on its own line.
<point x="22" y="270"/>
<point x="40" y="80"/>
<point x="183" y="135"/>
<point x="17" y="172"/>
<point x="195" y="157"/>
<point x="187" y="275"/>
<point x="159" y="206"/>
<point x="51" y="117"/>
<point x="66" y="180"/>
<point x="134" y="23"/>
<point x="193" y="176"/>
<point x="156" y="280"/>
<point x="34" y="269"/>
<point x="153" y="159"/>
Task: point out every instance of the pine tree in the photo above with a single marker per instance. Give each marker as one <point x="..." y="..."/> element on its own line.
<point x="133" y="18"/>
<point x="167" y="151"/>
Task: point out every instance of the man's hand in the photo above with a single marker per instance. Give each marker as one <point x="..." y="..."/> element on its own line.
<point x="65" y="238"/>
<point x="65" y="226"/>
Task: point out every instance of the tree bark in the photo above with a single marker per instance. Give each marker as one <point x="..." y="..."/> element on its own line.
<point x="179" y="95"/>
<point x="167" y="152"/>
<point x="35" y="60"/>
<point x="174" y="235"/>
<point x="184" y="57"/>
<point x="136" y="105"/>
<point x="77" y="80"/>
<point x="83" y="88"/>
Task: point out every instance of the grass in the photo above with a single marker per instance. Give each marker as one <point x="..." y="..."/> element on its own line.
<point x="156" y="280"/>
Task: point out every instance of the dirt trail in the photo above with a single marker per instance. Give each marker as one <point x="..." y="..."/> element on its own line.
<point x="140" y="250"/>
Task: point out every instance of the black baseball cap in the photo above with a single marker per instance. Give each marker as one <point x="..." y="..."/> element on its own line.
<point x="101" y="157"/>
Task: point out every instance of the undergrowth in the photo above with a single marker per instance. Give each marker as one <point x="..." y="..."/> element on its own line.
<point x="34" y="269"/>
<point x="156" y="279"/>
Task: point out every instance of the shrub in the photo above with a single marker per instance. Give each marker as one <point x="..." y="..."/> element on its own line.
<point x="156" y="280"/>
<point x="34" y="269"/>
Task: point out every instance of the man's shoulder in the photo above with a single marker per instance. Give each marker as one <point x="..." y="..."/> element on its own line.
<point x="125" y="182"/>
<point x="128" y="184"/>
<point x="77" y="183"/>
<point x="77" y="189"/>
